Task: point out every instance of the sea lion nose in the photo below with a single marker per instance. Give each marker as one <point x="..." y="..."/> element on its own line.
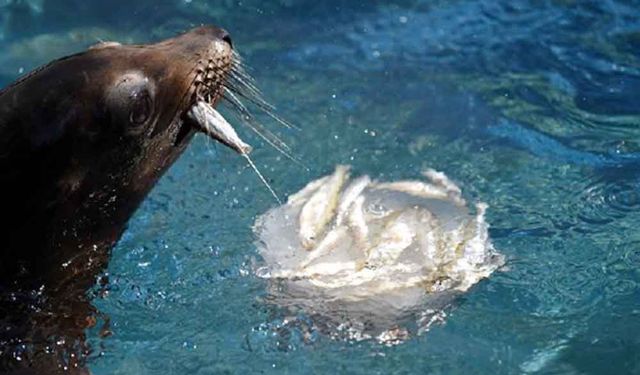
<point x="213" y="32"/>
<point x="222" y="34"/>
<point x="226" y="37"/>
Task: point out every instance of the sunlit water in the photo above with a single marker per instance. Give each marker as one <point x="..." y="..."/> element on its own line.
<point x="531" y="107"/>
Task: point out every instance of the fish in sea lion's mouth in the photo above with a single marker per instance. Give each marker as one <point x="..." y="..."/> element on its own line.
<point x="83" y="140"/>
<point x="219" y="75"/>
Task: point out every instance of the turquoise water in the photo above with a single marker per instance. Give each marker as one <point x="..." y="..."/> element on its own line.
<point x="530" y="106"/>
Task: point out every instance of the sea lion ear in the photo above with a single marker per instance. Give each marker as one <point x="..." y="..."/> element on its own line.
<point x="101" y="45"/>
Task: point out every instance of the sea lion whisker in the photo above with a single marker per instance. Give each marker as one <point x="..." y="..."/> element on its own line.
<point x="241" y="68"/>
<point x="252" y="122"/>
<point x="269" y="137"/>
<point x="241" y="72"/>
<point x="235" y="102"/>
<point x="256" y="101"/>
<point x="247" y="117"/>
<point x="245" y="80"/>
<point x="277" y="118"/>
<point x="254" y="97"/>
<point x="236" y="58"/>
<point x="240" y="84"/>
<point x="267" y="108"/>
<point x="272" y="139"/>
<point x="259" y="102"/>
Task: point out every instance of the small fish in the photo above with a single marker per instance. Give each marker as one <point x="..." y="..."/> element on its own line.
<point x="214" y="125"/>
<point x="349" y="196"/>
<point x="211" y="122"/>
<point x="320" y="209"/>
<point x="363" y="254"/>
<point x="426" y="238"/>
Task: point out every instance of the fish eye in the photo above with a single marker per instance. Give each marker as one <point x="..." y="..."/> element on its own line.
<point x="140" y="110"/>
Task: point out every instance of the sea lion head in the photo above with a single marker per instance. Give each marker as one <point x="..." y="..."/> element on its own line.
<point x="85" y="138"/>
<point x="142" y="95"/>
<point x="131" y="100"/>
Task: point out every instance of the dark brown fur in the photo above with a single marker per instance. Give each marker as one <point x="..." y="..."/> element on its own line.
<point x="75" y="163"/>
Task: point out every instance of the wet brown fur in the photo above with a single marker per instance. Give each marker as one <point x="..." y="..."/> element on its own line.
<point x="72" y="172"/>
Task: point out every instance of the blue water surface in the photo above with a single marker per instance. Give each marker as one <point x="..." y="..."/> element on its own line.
<point x="531" y="106"/>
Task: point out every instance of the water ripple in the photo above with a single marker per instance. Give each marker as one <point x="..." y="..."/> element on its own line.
<point x="605" y="200"/>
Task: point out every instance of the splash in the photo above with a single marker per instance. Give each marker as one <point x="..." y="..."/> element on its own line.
<point x="366" y="255"/>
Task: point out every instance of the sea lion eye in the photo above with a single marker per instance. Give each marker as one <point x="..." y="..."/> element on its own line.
<point x="140" y="108"/>
<point x="130" y="104"/>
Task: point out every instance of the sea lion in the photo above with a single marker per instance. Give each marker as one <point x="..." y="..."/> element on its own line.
<point x="83" y="140"/>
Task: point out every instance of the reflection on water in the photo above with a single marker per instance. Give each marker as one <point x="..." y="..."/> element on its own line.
<point x="529" y="106"/>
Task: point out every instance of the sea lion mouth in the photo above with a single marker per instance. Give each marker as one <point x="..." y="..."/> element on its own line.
<point x="208" y="88"/>
<point x="224" y="78"/>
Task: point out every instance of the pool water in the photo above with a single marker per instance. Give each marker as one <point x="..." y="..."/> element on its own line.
<point x="530" y="106"/>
